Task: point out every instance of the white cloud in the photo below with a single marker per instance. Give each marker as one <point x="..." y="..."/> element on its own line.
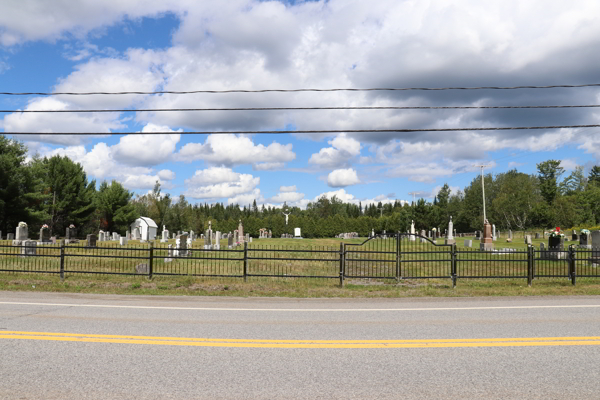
<point x="342" y="178"/>
<point x="166" y="174"/>
<point x="230" y="150"/>
<point x="568" y="164"/>
<point x="289" y="197"/>
<point x="48" y="123"/>
<point x="292" y="188"/>
<point x="219" y="182"/>
<point x="342" y="151"/>
<point x="146" y="150"/>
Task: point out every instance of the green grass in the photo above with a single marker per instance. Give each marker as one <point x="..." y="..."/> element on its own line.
<point x="283" y="257"/>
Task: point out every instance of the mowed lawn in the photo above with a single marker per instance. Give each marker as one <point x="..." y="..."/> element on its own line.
<point x="293" y="267"/>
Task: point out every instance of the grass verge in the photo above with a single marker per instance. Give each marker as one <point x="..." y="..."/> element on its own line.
<point x="300" y="288"/>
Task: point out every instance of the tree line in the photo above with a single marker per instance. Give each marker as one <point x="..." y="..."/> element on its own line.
<point x="55" y="191"/>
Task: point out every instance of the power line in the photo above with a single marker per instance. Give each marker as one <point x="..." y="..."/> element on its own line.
<point x="402" y="130"/>
<point x="303" y="108"/>
<point x="293" y="90"/>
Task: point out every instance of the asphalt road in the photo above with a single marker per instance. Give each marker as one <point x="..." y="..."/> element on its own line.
<point x="71" y="346"/>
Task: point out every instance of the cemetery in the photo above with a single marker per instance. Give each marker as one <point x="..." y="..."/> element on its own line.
<point x="402" y="255"/>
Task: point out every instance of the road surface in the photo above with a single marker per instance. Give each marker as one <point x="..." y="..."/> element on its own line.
<point x="76" y="346"/>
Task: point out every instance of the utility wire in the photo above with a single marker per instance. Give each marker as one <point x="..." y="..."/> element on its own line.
<point x="293" y="90"/>
<point x="303" y="108"/>
<point x="402" y="130"/>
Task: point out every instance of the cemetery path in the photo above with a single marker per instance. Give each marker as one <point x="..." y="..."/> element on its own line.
<point x="76" y="346"/>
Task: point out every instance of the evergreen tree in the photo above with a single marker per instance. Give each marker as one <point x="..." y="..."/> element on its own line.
<point x="20" y="190"/>
<point x="113" y="203"/>
<point x="549" y="173"/>
<point x="70" y="197"/>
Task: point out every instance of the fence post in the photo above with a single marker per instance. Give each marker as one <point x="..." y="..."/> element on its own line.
<point x="150" y="259"/>
<point x="245" y="261"/>
<point x="62" y="260"/>
<point x="453" y="268"/>
<point x="398" y="272"/>
<point x="342" y="271"/>
<point x="530" y="256"/>
<point x="572" y="271"/>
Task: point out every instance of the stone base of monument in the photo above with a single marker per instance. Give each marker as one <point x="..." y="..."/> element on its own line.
<point x="67" y="241"/>
<point x="17" y="242"/>
<point x="298" y="237"/>
<point x="29" y="248"/>
<point x="486" y="246"/>
<point x="164" y="240"/>
<point x="142" y="269"/>
<point x="449" y="241"/>
<point x="585" y="246"/>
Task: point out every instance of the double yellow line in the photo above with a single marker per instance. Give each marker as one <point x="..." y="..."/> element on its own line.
<point x="303" y="344"/>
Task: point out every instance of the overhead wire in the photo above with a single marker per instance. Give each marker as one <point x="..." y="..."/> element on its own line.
<point x="305" y="108"/>
<point x="280" y="132"/>
<point x="295" y="90"/>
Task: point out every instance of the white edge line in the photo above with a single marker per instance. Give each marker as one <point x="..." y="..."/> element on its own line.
<point x="301" y="309"/>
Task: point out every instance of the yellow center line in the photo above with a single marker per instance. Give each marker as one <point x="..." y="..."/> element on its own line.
<point x="305" y="344"/>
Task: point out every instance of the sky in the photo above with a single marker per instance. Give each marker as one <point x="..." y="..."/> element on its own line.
<point x="162" y="45"/>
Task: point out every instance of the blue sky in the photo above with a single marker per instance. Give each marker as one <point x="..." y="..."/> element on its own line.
<point x="242" y="44"/>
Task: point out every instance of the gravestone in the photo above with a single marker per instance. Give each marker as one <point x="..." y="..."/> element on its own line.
<point x="595" y="259"/>
<point x="423" y="240"/>
<point x="487" y="242"/>
<point x="29" y="248"/>
<point x="584" y="240"/>
<point x="142" y="269"/>
<point x="493" y="232"/>
<point x="181" y="245"/>
<point x="468" y="243"/>
<point x="192" y="235"/>
<point x="208" y="238"/>
<point x="574" y="236"/>
<point x="10" y="236"/>
<point x="412" y="231"/>
<point x="241" y="232"/>
<point x="165" y="235"/>
<point x="247" y="237"/>
<point x="22" y="234"/>
<point x="236" y="237"/>
<point x="527" y="239"/>
<point x="101" y="236"/>
<point x="510" y="234"/>
<point x="44" y="235"/>
<point x="115" y="236"/>
<point x="230" y="240"/>
<point x="91" y="240"/>
<point x="123" y="241"/>
<point x="217" y="245"/>
<point x="0" y="235"/>
<point x="478" y="235"/>
<point x="169" y="257"/>
<point x="270" y="234"/>
<point x="173" y="235"/>
<point x="537" y="235"/>
<point x="297" y="233"/>
<point x="128" y="235"/>
<point x="449" y="236"/>
<point x="71" y="233"/>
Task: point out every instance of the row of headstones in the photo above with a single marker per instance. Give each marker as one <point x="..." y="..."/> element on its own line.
<point x="264" y="234"/>
<point x="107" y="236"/>
<point x="44" y="237"/>
<point x="347" y="235"/>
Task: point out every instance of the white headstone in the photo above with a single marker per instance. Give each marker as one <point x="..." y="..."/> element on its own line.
<point x="297" y="233"/>
<point x="412" y="231"/>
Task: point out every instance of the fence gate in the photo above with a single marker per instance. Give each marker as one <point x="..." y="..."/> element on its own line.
<point x="421" y="257"/>
<point x="376" y="257"/>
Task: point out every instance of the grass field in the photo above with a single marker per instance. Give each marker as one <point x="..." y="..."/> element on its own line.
<point x="273" y="265"/>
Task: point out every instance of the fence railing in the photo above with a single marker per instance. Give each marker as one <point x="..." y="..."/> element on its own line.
<point x="403" y="256"/>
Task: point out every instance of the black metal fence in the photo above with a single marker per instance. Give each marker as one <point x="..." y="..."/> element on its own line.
<point x="400" y="256"/>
